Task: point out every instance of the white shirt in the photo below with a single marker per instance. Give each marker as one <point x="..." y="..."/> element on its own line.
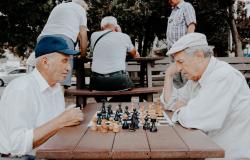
<point x="27" y="103"/>
<point x="219" y="105"/>
<point x="66" y="19"/>
<point x="109" y="54"/>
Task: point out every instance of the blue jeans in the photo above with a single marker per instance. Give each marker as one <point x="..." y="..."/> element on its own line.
<point x="70" y="43"/>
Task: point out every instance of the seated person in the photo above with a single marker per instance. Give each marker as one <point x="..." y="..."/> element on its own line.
<point x="109" y="57"/>
<point x="216" y="98"/>
<point x="32" y="107"/>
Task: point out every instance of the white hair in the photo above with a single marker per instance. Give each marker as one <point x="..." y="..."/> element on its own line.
<point x="81" y="3"/>
<point x="109" y="20"/>
<point x="207" y="50"/>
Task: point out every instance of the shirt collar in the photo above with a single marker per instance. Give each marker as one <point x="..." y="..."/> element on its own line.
<point x="208" y="70"/>
<point x="179" y="5"/>
<point x="43" y="84"/>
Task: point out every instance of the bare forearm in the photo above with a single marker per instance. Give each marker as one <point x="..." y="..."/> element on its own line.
<point x="168" y="87"/>
<point x="83" y="38"/>
<point x="44" y="132"/>
<point x="134" y="53"/>
<point x="191" y="28"/>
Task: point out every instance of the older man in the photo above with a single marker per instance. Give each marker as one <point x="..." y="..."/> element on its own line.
<point x="110" y="47"/>
<point x="216" y="98"/>
<point x="32" y="107"/>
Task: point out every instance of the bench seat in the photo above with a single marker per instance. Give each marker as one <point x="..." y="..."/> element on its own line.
<point x="142" y="91"/>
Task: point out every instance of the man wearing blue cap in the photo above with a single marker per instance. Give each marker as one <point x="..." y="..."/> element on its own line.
<point x="32" y="107"/>
<point x="216" y="98"/>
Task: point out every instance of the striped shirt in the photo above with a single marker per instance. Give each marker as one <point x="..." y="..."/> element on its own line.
<point x="182" y="15"/>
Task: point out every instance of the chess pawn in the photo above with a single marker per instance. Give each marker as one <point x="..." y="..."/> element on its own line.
<point x="94" y="127"/>
<point x="125" y="122"/>
<point x="120" y="108"/>
<point x="116" y="128"/>
<point x="104" y="127"/>
<point x="146" y="125"/>
<point x="111" y="126"/>
<point x="99" y="120"/>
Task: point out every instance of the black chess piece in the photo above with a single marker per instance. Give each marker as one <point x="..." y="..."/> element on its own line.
<point x="110" y="109"/>
<point x="135" y="118"/>
<point x="117" y="115"/>
<point x="99" y="119"/>
<point x="146" y="125"/>
<point x="153" y="126"/>
<point x="103" y="111"/>
<point x="126" y="110"/>
<point x="125" y="124"/>
<point x="120" y="108"/>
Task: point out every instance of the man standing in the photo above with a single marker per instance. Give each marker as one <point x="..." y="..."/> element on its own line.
<point x="32" y="107"/>
<point x="69" y="21"/>
<point x="181" y="21"/>
<point x="215" y="99"/>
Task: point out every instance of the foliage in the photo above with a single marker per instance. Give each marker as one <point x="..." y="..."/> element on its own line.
<point x="22" y="20"/>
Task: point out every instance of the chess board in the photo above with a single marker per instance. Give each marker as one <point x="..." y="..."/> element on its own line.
<point x="125" y="113"/>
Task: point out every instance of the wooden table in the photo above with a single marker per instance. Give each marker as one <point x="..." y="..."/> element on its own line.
<point x="80" y="142"/>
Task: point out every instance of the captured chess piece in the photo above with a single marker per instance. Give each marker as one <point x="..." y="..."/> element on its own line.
<point x="153" y="126"/>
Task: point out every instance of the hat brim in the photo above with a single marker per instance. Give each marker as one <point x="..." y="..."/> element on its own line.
<point x="69" y="51"/>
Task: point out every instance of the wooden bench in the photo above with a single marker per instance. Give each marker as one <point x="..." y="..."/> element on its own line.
<point x="146" y="92"/>
<point x="242" y="64"/>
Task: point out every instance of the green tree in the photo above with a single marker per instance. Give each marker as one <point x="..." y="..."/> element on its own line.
<point x="22" y="20"/>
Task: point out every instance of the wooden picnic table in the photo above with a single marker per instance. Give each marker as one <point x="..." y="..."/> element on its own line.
<point x="80" y="142"/>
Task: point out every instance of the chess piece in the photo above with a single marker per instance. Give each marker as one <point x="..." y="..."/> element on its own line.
<point x="117" y="115"/>
<point x="110" y="109"/>
<point x="125" y="122"/>
<point x="110" y="126"/>
<point x="93" y="127"/>
<point x="146" y="125"/>
<point x="104" y="127"/>
<point x="103" y="110"/>
<point x="99" y="119"/>
<point x="116" y="128"/>
<point x="120" y="108"/>
<point x="153" y="126"/>
<point x="126" y="110"/>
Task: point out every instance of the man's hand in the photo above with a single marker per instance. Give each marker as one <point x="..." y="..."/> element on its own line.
<point x="171" y="70"/>
<point x="71" y="117"/>
<point x="178" y="104"/>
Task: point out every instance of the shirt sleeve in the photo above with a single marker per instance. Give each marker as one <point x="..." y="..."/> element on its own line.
<point x="189" y="14"/>
<point x="208" y="109"/>
<point x="84" y="19"/>
<point x="177" y="94"/>
<point x="130" y="46"/>
<point x="19" y="119"/>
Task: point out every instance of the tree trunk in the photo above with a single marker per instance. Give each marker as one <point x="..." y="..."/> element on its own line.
<point x="235" y="34"/>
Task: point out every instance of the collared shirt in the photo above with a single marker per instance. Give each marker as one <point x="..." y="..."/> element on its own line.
<point x="27" y="103"/>
<point x="181" y="16"/>
<point x="110" y="52"/>
<point x="219" y="105"/>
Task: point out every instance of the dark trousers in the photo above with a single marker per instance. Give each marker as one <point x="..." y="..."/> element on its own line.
<point x="111" y="82"/>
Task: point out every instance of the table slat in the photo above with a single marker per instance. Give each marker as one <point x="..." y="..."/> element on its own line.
<point x="165" y="143"/>
<point x="200" y="145"/>
<point x="131" y="145"/>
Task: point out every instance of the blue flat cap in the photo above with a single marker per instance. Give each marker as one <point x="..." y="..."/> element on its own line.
<point x="50" y="44"/>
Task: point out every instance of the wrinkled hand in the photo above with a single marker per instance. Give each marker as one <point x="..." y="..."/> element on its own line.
<point x="71" y="117"/>
<point x="178" y="104"/>
<point x="171" y="70"/>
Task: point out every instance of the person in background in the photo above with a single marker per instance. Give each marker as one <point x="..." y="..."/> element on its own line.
<point x="215" y="99"/>
<point x="32" y="107"/>
<point x="181" y="21"/>
<point x="69" y="21"/>
<point x="110" y="47"/>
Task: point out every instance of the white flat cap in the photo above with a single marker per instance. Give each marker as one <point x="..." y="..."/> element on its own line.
<point x="109" y="20"/>
<point x="188" y="40"/>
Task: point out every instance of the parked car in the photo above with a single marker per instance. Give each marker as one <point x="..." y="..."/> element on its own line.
<point x="7" y="76"/>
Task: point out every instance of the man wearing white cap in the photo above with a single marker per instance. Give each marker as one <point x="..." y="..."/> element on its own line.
<point x="110" y="47"/>
<point x="216" y="98"/>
